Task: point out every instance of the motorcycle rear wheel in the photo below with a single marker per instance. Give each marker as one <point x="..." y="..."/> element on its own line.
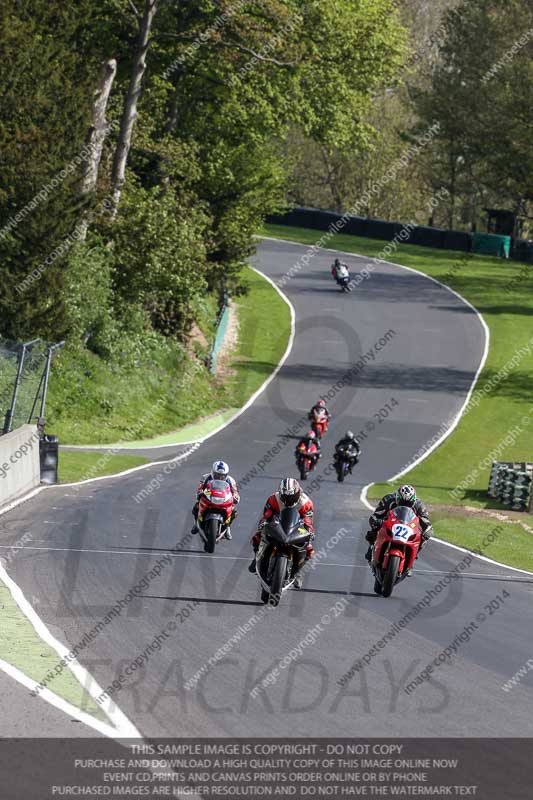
<point x="390" y="576"/>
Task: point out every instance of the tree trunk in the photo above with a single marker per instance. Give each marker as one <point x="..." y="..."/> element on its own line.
<point x="453" y="189"/>
<point x="98" y="133"/>
<point x="130" y="106"/>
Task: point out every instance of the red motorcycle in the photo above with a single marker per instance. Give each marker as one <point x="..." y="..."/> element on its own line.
<point x="319" y="422"/>
<point x="214" y="513"/>
<point x="396" y="547"/>
<point x="306" y="459"/>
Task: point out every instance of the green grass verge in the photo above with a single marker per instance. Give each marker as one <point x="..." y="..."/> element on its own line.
<point x="21" y="647"/>
<point x="93" y="402"/>
<point x="77" y="465"/>
<point x="264" y="330"/>
<point x="511" y="545"/>
<point x="503" y="292"/>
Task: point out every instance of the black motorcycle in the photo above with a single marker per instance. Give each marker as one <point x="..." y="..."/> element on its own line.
<point x="280" y="554"/>
<point x="341" y="462"/>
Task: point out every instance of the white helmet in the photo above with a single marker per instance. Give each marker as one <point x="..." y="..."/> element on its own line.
<point x="289" y="491"/>
<point x="220" y="470"/>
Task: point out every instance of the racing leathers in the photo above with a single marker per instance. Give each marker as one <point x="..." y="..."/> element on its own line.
<point x="307" y="441"/>
<point x="273" y="508"/>
<point x="338" y="270"/>
<point x="348" y="449"/>
<point x="202" y="485"/>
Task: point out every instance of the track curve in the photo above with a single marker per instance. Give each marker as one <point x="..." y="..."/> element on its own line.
<point x="99" y="542"/>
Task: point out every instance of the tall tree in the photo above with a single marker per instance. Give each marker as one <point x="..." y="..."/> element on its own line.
<point x="482" y="95"/>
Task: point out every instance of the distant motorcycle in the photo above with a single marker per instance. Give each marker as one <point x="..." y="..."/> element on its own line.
<point x="341" y="462"/>
<point x="319" y="422"/>
<point x="395" y="549"/>
<point x="281" y="550"/>
<point x="342" y="277"/>
<point x="214" y="513"/>
<point x="306" y="459"/>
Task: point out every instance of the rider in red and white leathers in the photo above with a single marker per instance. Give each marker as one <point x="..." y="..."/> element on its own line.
<point x="220" y="472"/>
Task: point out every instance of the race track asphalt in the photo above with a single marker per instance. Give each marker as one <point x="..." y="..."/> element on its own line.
<point x="93" y="543"/>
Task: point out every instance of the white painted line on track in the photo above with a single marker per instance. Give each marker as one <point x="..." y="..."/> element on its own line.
<point x="14" y="503"/>
<point x="122" y="726"/>
<point x="59" y="702"/>
<point x="192" y="554"/>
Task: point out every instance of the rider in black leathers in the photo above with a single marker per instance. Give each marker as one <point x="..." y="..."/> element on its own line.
<point x="348" y="447"/>
<point x="405" y="496"/>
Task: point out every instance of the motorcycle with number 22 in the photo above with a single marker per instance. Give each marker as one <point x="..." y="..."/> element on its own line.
<point x="395" y="549"/>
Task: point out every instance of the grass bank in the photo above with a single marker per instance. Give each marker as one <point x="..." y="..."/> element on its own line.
<point x="498" y="423"/>
<point x="78" y="465"/>
<point x="93" y="402"/>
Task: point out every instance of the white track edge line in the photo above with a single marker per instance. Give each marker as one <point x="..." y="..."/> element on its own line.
<point x="19" y="500"/>
<point x="123" y="726"/>
<point x="60" y="703"/>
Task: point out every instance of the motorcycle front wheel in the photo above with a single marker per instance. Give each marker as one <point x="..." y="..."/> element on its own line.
<point x="390" y="576"/>
<point x="277" y="580"/>
<point x="211" y="532"/>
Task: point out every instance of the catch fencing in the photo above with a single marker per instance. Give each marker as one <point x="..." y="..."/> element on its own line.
<point x="24" y="375"/>
<point x="22" y="367"/>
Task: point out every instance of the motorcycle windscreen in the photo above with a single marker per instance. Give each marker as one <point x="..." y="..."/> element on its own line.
<point x="403" y="527"/>
<point x="279" y="527"/>
<point x="218" y="492"/>
<point x="404" y="514"/>
<point x="289" y="519"/>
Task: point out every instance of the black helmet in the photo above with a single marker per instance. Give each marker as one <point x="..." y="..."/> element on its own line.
<point x="337" y="262"/>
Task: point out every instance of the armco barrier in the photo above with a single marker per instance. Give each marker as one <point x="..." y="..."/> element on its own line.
<point x="317" y="219"/>
<point x="220" y="335"/>
<point x="423" y="235"/>
<point x="19" y="463"/>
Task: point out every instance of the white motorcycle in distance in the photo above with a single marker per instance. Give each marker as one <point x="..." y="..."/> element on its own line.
<point x="342" y="277"/>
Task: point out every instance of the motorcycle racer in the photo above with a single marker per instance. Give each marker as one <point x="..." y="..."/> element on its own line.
<point x="219" y="472"/>
<point x="319" y="408"/>
<point x="348" y="448"/>
<point x="404" y="496"/>
<point x="338" y="268"/>
<point x="289" y="495"/>
<point x="307" y="441"/>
